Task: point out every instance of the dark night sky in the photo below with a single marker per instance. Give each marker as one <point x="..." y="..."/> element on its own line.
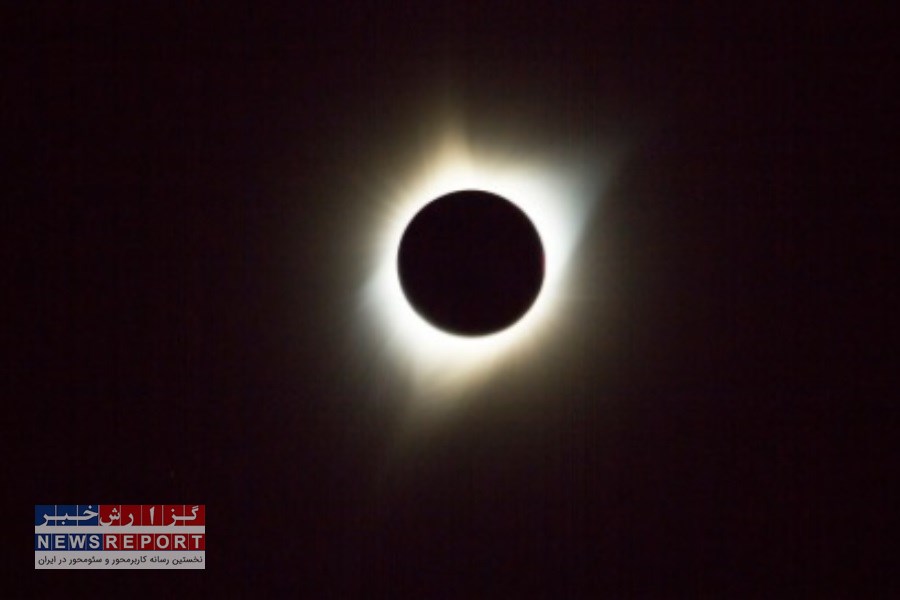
<point x="181" y="192"/>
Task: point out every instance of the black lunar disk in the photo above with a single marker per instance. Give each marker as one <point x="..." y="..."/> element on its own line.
<point x="471" y="263"/>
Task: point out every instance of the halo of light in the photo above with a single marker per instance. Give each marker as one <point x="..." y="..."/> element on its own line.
<point x="557" y="196"/>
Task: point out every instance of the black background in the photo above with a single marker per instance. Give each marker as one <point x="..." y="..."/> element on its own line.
<point x="182" y="184"/>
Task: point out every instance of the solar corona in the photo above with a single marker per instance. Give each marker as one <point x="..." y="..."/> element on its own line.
<point x="472" y="252"/>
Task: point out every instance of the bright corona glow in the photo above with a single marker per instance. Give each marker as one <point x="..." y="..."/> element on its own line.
<point x="557" y="199"/>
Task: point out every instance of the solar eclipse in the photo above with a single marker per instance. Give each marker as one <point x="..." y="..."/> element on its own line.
<point x="440" y="338"/>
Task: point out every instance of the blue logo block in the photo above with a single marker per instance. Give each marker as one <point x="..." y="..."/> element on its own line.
<point x="44" y="514"/>
<point x="65" y="514"/>
<point x="88" y="514"/>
